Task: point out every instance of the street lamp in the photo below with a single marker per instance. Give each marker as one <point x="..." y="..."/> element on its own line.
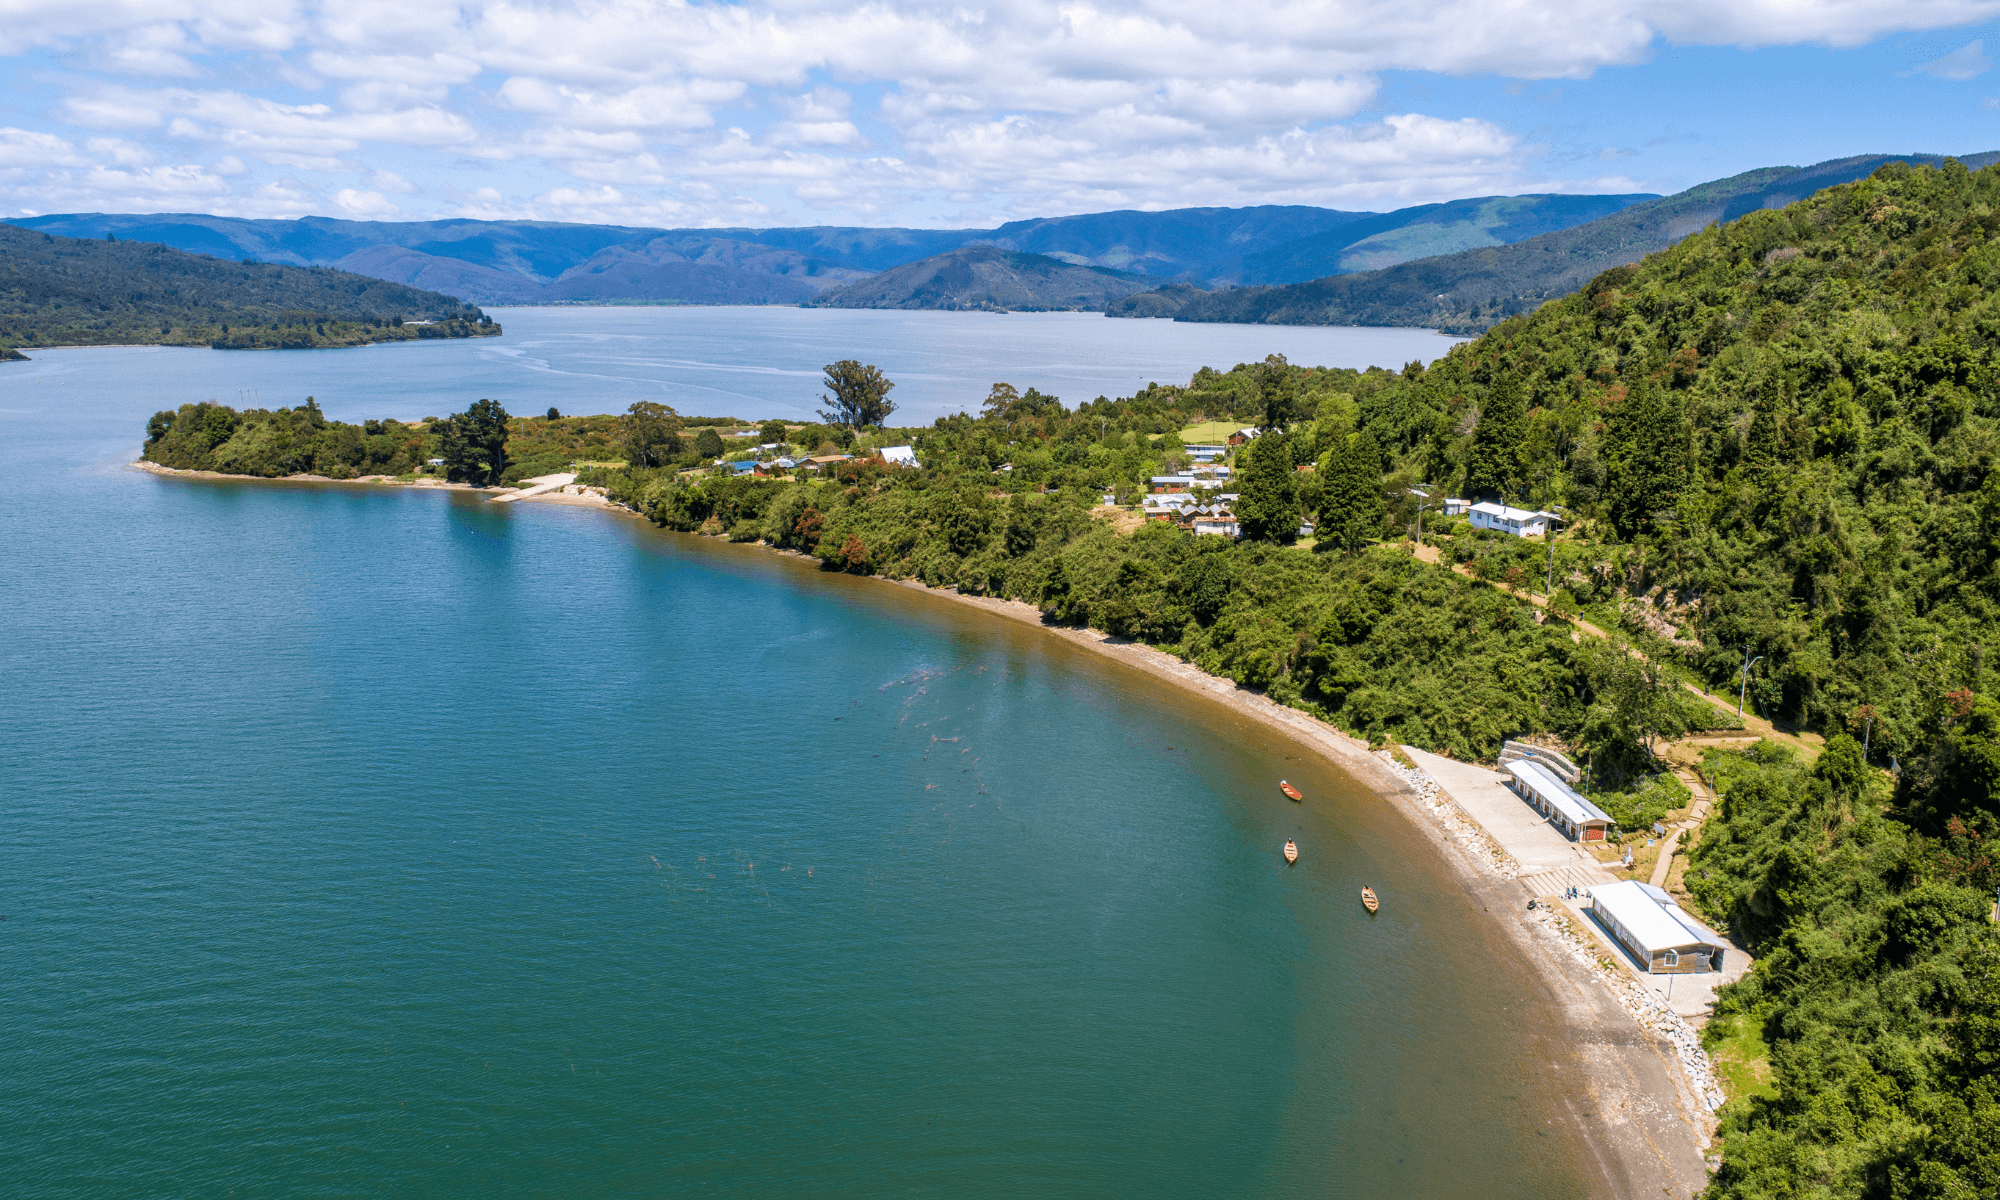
<point x="1744" y="688"/>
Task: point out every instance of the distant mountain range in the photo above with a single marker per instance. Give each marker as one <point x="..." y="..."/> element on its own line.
<point x="1471" y="290"/>
<point x="1459" y="266"/>
<point x="536" y="262"/>
<point x="989" y="278"/>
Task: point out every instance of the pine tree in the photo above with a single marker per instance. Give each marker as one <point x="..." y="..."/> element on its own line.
<point x="1267" y="509"/>
<point x="1352" y="508"/>
<point x="1495" y="465"/>
<point x="1648" y="465"/>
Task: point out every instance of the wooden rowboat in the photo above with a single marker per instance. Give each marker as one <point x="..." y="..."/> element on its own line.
<point x="1289" y="790"/>
<point x="1291" y="852"/>
<point x="1368" y="900"/>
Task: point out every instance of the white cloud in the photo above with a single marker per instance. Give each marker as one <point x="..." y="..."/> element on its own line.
<point x="682" y="109"/>
<point x="123" y="153"/>
<point x="677" y="104"/>
<point x="389" y="181"/>
<point x="23" y="148"/>
<point x="366" y="205"/>
<point x="1967" y="62"/>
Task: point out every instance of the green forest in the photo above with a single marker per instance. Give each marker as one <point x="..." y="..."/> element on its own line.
<point x="1472" y="290"/>
<point x="58" y="291"/>
<point x="484" y="445"/>
<point x="1773" y="442"/>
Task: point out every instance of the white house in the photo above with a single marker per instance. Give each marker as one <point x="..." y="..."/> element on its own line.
<point x="1517" y="521"/>
<point x="1216" y="520"/>
<point x="900" y="456"/>
<point x="1657" y="931"/>
<point x="1577" y="819"/>
<point x="1454" y="507"/>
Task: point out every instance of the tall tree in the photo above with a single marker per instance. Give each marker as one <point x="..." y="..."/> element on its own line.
<point x="1351" y="506"/>
<point x="1648" y="467"/>
<point x="1278" y="389"/>
<point x="1267" y="508"/>
<point x="708" y="443"/>
<point x="652" y="434"/>
<point x="1495" y="465"/>
<point x="473" y="444"/>
<point x="860" y="395"/>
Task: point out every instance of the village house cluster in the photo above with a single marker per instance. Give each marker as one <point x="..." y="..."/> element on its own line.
<point x="770" y="463"/>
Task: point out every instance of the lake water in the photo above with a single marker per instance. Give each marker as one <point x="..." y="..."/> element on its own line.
<point x="756" y="363"/>
<point x="361" y="841"/>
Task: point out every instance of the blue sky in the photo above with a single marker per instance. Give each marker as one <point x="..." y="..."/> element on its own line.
<point x="784" y="112"/>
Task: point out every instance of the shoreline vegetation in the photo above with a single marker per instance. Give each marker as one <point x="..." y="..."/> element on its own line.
<point x="1774" y="454"/>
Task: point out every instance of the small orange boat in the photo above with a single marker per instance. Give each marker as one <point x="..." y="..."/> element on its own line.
<point x="1289" y="790"/>
<point x="1291" y="852"/>
<point x="1368" y="900"/>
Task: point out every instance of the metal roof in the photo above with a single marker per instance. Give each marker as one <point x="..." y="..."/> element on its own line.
<point x="1651" y="917"/>
<point x="1560" y="796"/>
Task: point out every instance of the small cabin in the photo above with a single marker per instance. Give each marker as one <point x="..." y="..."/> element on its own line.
<point x="1657" y="931"/>
<point x="1219" y="521"/>
<point x="1578" y="819"/>
<point x="900" y="456"/>
<point x="1454" y="507"/>
<point x="1518" y="521"/>
<point x="1241" y="436"/>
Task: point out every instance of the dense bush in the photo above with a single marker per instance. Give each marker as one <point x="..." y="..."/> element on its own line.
<point x="1878" y="981"/>
<point x="58" y="291"/>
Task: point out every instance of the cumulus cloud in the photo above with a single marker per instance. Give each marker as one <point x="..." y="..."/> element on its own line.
<point x="655" y="110"/>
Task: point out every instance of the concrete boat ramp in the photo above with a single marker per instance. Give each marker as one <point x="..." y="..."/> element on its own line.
<point x="1549" y="861"/>
<point x="1550" y="864"/>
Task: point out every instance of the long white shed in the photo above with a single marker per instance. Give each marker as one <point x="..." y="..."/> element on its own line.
<point x="1577" y="818"/>
<point x="1655" y="929"/>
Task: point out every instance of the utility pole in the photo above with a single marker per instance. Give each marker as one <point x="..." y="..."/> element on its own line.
<point x="1867" y="714"/>
<point x="1550" y="538"/>
<point x="1744" y="688"/>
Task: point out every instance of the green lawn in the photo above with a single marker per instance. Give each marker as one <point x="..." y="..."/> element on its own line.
<point x="1216" y="432"/>
<point x="1742" y="1060"/>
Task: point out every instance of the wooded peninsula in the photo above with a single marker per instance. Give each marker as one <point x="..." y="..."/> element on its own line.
<point x="59" y="291"/>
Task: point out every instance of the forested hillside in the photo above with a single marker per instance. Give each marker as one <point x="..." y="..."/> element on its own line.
<point x="58" y="291"/>
<point x="986" y="277"/>
<point x="1471" y="290"/>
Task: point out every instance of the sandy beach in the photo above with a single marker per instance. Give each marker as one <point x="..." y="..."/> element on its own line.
<point x="1643" y="1119"/>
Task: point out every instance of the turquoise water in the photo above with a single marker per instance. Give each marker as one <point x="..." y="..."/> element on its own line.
<point x="362" y="842"/>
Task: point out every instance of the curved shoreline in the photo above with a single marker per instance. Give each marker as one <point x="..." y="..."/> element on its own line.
<point x="1644" y="1128"/>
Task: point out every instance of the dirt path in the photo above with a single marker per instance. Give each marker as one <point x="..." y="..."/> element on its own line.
<point x="1754" y="726"/>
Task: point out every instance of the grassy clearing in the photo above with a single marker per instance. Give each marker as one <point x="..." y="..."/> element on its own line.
<point x="1210" y="431"/>
<point x="1742" y="1061"/>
